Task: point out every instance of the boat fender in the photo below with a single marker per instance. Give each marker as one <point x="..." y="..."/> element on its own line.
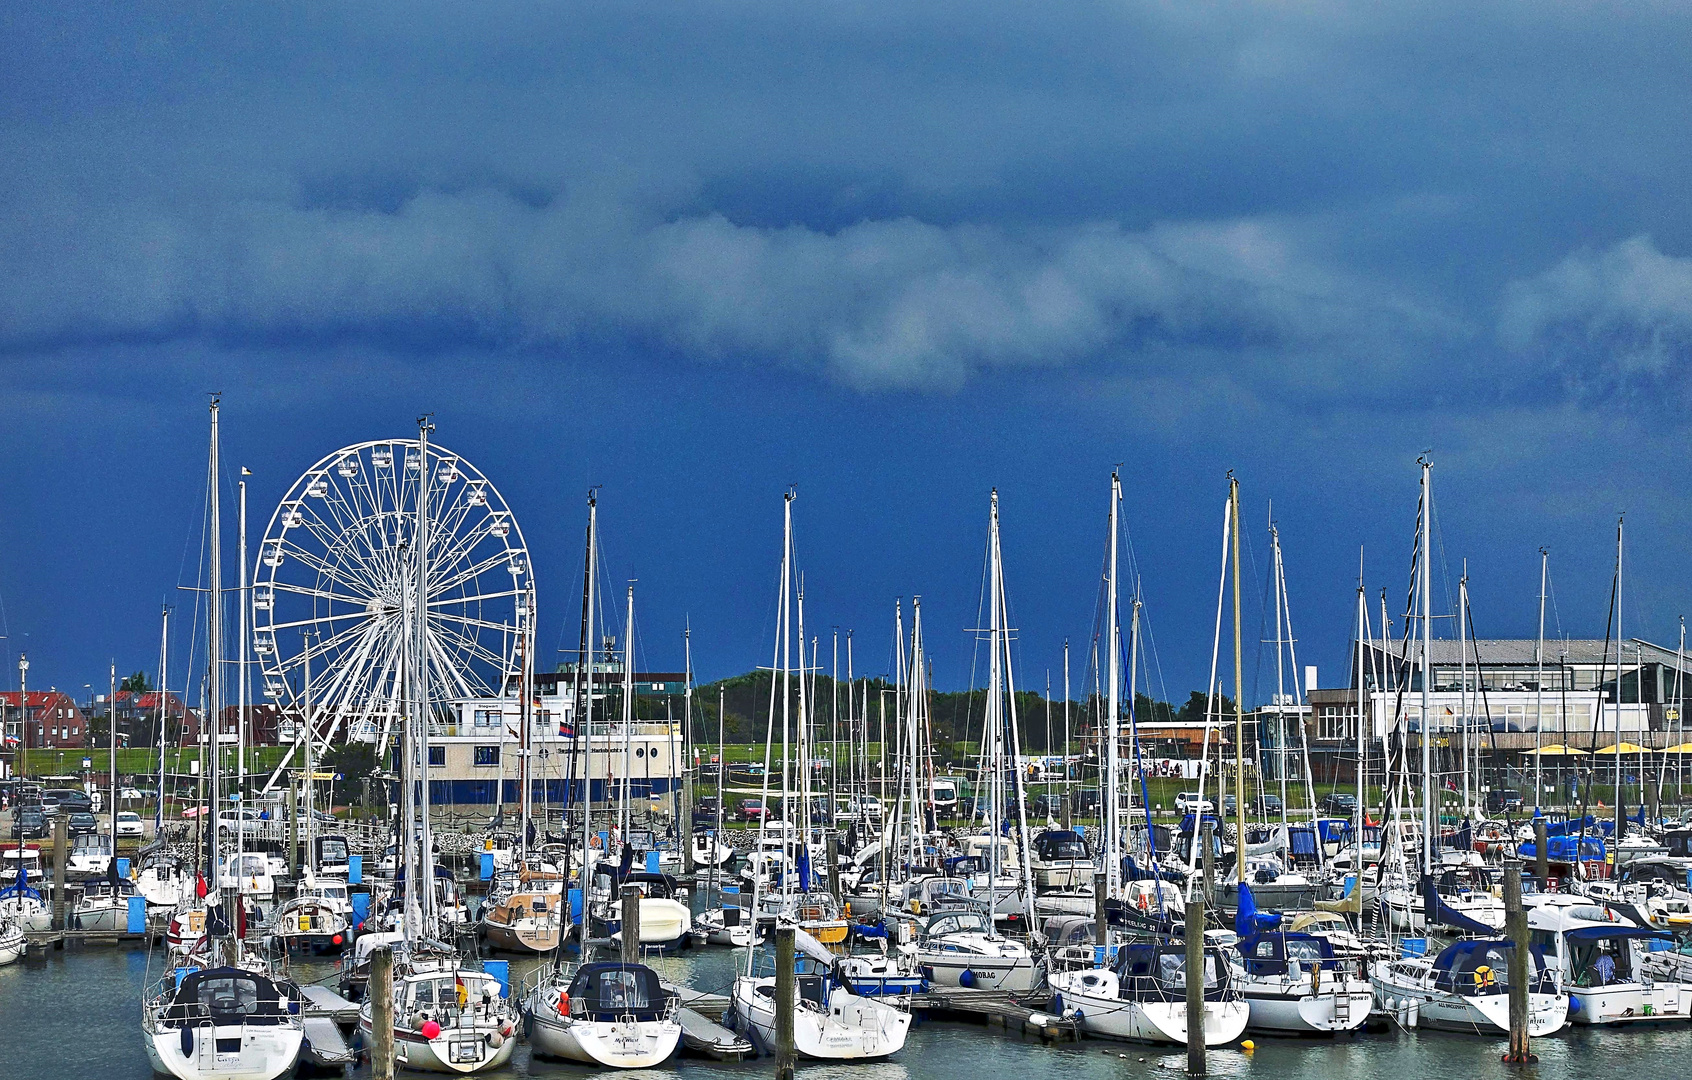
<point x="966" y="978"/>
<point x="187" y="1041"/>
<point x="495" y="1040"/>
<point x="1574" y="1004"/>
<point x="431" y="1030"/>
<point x="506" y="1029"/>
<point x="1057" y="1004"/>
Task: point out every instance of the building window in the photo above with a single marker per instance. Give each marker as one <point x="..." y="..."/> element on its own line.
<point x="487" y="755"/>
<point x="437" y="756"/>
<point x="1335" y="723"/>
<point x="488" y="717"/>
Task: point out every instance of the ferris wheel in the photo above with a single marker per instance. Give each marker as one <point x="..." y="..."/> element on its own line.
<point x="336" y="587"/>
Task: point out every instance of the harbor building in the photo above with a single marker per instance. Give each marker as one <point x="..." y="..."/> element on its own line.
<point x="479" y="747"/>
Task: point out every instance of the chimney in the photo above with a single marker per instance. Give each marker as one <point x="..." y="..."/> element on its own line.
<point x="1310" y="678"/>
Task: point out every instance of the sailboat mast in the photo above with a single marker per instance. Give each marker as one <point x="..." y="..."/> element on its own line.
<point x="525" y="729"/>
<point x="1113" y="737"/>
<point x="1280" y="660"/>
<point x="214" y="657"/>
<point x="584" y="721"/>
<point x="1539" y="684"/>
<point x="1429" y="818"/>
<point x="163" y="712"/>
<point x="244" y="629"/>
<point x="424" y="884"/>
<point x="1621" y="814"/>
<point x="310" y="763"/>
<point x="1239" y="693"/>
<point x="1463" y="674"/>
<point x="628" y="718"/>
<point x="1361" y="684"/>
<point x="995" y="709"/>
<point x="111" y="732"/>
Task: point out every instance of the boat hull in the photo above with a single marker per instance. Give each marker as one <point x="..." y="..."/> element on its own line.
<point x="1092" y="996"/>
<point x="852" y="1029"/>
<point x="635" y="1044"/>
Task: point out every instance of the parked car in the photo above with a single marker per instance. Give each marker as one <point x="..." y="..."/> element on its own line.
<point x="81" y="822"/>
<point x="1229" y="806"/>
<point x="48" y="804"/>
<point x="1338" y="804"/>
<point x="1266" y="806"/>
<point x="245" y="821"/>
<point x="29" y="824"/>
<point x="1503" y="800"/>
<point x="1188" y="801"/>
<point x="129" y="823"/>
<point x="750" y="810"/>
<point x="70" y="799"/>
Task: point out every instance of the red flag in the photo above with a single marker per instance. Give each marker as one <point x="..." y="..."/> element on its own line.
<point x="200" y="886"/>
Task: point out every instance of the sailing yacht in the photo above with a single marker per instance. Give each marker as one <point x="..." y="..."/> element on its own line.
<point x="830" y="1021"/>
<point x="1142" y="996"/>
<point x="962" y="948"/>
<point x="219" y="1022"/>
<point x="616" y="1015"/>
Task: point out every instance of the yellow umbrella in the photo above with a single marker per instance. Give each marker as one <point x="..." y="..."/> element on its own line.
<point x="1621" y="748"/>
<point x="1683" y="748"/>
<point x="1559" y="750"/>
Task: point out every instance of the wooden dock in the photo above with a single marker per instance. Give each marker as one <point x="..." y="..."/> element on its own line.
<point x="998" y="1007"/>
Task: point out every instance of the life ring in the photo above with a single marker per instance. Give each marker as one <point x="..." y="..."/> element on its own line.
<point x="1485" y="979"/>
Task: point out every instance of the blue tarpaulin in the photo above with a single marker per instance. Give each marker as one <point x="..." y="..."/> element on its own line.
<point x="1247" y="921"/>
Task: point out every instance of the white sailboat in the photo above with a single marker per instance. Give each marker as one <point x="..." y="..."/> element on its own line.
<point x="616" y="1015"/>
<point x="448" y="1017"/>
<point x="952" y="953"/>
<point x="220" y="1022"/>
<point x="830" y="1021"/>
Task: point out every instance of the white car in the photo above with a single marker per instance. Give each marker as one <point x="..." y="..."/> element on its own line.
<point x="129" y="823"/>
<point x="1188" y="801"/>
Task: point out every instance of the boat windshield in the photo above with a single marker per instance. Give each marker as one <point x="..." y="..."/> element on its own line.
<point x="958" y="922"/>
<point x="1061" y="845"/>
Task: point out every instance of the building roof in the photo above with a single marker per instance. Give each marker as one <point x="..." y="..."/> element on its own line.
<point x="1509" y="652"/>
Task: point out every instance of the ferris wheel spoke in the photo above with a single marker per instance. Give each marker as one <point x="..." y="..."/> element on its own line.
<point x="464" y="547"/>
<point x="438" y="603"/>
<point x="322" y="568"/>
<point x="467" y="574"/>
<point x="317" y="620"/>
<point x="318" y="594"/>
<point x="466" y="620"/>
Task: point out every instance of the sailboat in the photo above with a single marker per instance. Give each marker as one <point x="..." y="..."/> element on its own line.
<point x="955" y="950"/>
<point x="221" y="1022"/>
<point x="830" y="1021"/>
<point x="448" y="1017"/>
<point x="524" y="912"/>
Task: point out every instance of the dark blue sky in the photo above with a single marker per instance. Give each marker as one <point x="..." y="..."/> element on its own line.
<point x="695" y="254"/>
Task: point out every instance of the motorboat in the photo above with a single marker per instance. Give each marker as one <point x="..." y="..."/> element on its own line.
<point x="1600" y="959"/>
<point x="1466" y="988"/>
<point x="222" y="1023"/>
<point x="709" y="850"/>
<point x="1062" y="860"/>
<point x="309" y="922"/>
<point x="616" y="1015"/>
<point x="1142" y="996"/>
<point x="665" y="920"/>
<point x="248" y="873"/>
<point x="962" y="948"/>
<point x="90" y="857"/>
<point x="104" y="904"/>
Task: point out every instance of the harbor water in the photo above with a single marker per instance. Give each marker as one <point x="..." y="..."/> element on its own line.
<point x="74" y="1015"/>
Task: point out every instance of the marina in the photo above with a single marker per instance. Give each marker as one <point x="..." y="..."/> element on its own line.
<point x="835" y="902"/>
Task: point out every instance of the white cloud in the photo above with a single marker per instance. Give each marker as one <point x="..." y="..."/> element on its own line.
<point x="887" y="303"/>
<point x="1609" y="321"/>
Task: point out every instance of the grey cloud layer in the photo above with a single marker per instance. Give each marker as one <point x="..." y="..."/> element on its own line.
<point x="1311" y="202"/>
<point x="881" y="303"/>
